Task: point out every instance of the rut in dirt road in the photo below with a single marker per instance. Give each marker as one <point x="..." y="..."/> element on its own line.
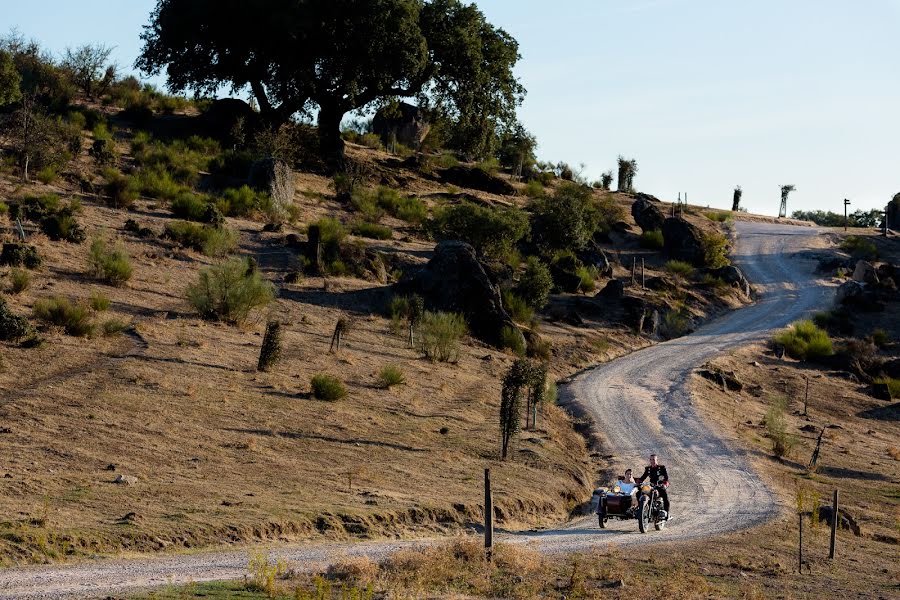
<point x="641" y="404"/>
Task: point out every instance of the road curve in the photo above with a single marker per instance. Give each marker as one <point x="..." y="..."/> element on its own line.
<point x="641" y="403"/>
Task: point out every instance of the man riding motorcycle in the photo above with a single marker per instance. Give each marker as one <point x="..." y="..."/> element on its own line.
<point x="657" y="475"/>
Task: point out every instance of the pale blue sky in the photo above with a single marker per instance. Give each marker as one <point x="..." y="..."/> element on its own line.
<point x="705" y="94"/>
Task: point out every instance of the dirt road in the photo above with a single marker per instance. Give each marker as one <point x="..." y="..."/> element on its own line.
<point x="642" y="405"/>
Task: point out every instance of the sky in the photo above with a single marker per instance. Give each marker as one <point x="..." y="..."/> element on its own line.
<point x="704" y="94"/>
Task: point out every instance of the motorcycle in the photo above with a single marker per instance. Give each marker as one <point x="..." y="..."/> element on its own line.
<point x="614" y="503"/>
<point x="650" y="508"/>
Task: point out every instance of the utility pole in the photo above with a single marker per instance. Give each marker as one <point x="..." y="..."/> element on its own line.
<point x="846" y="204"/>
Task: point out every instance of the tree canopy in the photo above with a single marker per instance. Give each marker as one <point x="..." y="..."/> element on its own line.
<point x="337" y="56"/>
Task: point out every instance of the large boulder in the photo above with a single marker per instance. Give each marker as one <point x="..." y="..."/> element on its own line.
<point x="594" y="256"/>
<point x="614" y="288"/>
<point x="865" y="273"/>
<point x="646" y="214"/>
<point x="454" y="281"/>
<point x="401" y="122"/>
<point x="893" y="213"/>
<point x="683" y="241"/>
<point x="733" y="276"/>
<point x="850" y="293"/>
<point x="276" y="178"/>
<point x="477" y="179"/>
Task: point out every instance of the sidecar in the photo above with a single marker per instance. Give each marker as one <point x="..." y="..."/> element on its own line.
<point x="613" y="503"/>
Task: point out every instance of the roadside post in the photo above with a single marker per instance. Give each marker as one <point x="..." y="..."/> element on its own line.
<point x="488" y="516"/>
<point x="846" y="204"/>
<point x="643" y="279"/>
<point x="633" y="268"/>
<point x="834" y="525"/>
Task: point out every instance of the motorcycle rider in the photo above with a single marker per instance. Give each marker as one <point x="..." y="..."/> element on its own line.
<point x="657" y="475"/>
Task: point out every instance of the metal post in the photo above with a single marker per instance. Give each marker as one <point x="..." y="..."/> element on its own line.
<point x="488" y="516"/>
<point x="834" y="525"/>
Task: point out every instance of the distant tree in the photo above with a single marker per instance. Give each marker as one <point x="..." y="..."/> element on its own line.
<point x="736" y="201"/>
<point x="567" y="220"/>
<point x="336" y="56"/>
<point x="627" y="170"/>
<point x="87" y="67"/>
<point x="9" y="80"/>
<point x="511" y="403"/>
<point x="517" y="151"/>
<point x="785" y="190"/>
<point x="535" y="283"/>
<point x="606" y="180"/>
<point x="34" y="136"/>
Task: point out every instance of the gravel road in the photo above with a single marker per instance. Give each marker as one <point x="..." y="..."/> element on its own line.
<point x="641" y="403"/>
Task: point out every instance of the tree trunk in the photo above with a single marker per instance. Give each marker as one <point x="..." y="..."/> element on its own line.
<point x="331" y="145"/>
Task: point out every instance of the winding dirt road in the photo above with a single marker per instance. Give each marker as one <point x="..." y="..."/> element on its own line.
<point x="641" y="403"/>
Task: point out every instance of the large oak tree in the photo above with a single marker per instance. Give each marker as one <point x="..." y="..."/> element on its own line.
<point x="337" y="56"/>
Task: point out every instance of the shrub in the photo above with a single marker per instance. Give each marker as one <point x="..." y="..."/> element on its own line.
<point x="776" y="429"/>
<point x="679" y="267"/>
<point x="229" y="290"/>
<point x="718" y="217"/>
<point x="104" y="151"/>
<point x="13" y="327"/>
<point x="715" y="250"/>
<point x="19" y="280"/>
<point x="110" y="265"/>
<point x="211" y="241"/>
<point x="440" y="334"/>
<point x="372" y="231"/>
<point x="158" y="183"/>
<point x="99" y="301"/>
<point x="35" y="208"/>
<point x="4" y="208"/>
<point x="121" y="191"/>
<point x="565" y="221"/>
<point x="374" y="203"/>
<point x="880" y="338"/>
<point x="114" y="327"/>
<point x="535" y="283"/>
<point x="534" y="189"/>
<point x="493" y="232"/>
<point x="411" y="210"/>
<point x="46" y="175"/>
<point x="331" y="234"/>
<point x="860" y="248"/>
<point x="60" y="311"/>
<point x="62" y="226"/>
<point x="512" y="339"/>
<point x="652" y="240"/>
<point x="390" y="375"/>
<point x="588" y="278"/>
<point x="270" y="351"/>
<point x="517" y="307"/>
<point x="20" y="254"/>
<point x="243" y="201"/>
<point x="365" y="201"/>
<point x="675" y="323"/>
<point x="190" y="206"/>
<point x="327" y="387"/>
<point x="805" y="341"/>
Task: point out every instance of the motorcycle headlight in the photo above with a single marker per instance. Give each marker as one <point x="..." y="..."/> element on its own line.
<point x="617" y="489"/>
<point x="646" y="488"/>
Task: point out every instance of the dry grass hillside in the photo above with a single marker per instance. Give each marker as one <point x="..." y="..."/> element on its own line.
<point x="208" y="450"/>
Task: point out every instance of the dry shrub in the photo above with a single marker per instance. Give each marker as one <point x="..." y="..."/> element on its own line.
<point x="358" y="571"/>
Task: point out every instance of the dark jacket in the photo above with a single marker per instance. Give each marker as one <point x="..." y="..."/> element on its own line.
<point x="656" y="474"/>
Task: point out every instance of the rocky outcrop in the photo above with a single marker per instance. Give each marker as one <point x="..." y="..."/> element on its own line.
<point x="613" y="289"/>
<point x="733" y="276"/>
<point x="477" y="179"/>
<point x="401" y="122"/>
<point x="865" y="273"/>
<point x="683" y="241"/>
<point x="454" y="281"/>
<point x="594" y="256"/>
<point x="276" y="178"/>
<point x="850" y="293"/>
<point x="646" y="214"/>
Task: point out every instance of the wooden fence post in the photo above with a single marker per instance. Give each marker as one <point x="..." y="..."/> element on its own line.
<point x="488" y="516"/>
<point x="800" y="545"/>
<point x="633" y="268"/>
<point x="643" y="279"/>
<point x="834" y="525"/>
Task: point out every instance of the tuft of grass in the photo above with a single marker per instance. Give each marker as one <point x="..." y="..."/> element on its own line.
<point x="776" y="428"/>
<point x="372" y="231"/>
<point x="110" y="265"/>
<point x="517" y="307"/>
<point x="121" y="190"/>
<point x="60" y="311"/>
<point x="860" y="248"/>
<point x="19" y="280"/>
<point x="99" y="301"/>
<point x="327" y="387"/>
<point x="440" y="334"/>
<point x="211" y="241"/>
<point x="679" y="267"/>
<point x="229" y="291"/>
<point x="389" y="376"/>
<point x="512" y="339"/>
<point x="112" y="327"/>
<point x="804" y="340"/>
<point x="718" y="217"/>
<point x="588" y="276"/>
<point x="652" y="240"/>
<point x="46" y="175"/>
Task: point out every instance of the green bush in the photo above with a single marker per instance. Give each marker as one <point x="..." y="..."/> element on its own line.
<point x="20" y="254"/>
<point x="652" y="240"/>
<point x="4" y="209"/>
<point x="35" y="208"/>
<point x="880" y="338"/>
<point x="860" y="248"/>
<point x="13" y="327"/>
<point x="114" y="327"/>
<point x="327" y="387"/>
<point x="99" y="301"/>
<point x="372" y="231"/>
<point x="158" y="183"/>
<point x="190" y="206"/>
<point x="715" y="250"/>
<point x="805" y="341"/>
<point x="104" y="151"/>
<point x="62" y="226"/>
<point x="243" y="202"/>
<point x="73" y="318"/>
<point x="440" y="334"/>
<point x="373" y="204"/>
<point x="120" y="190"/>
<point x="535" y="284"/>
<point x="211" y="241"/>
<point x="679" y="267"/>
<point x="19" y="280"/>
<point x="567" y="220"/>
<point x="512" y="339"/>
<point x="389" y="376"/>
<point x="229" y="290"/>
<point x="534" y="189"/>
<point x="517" y="307"/>
<point x="331" y="235"/>
<point x="493" y="232"/>
<point x="718" y="217"/>
<point x="588" y="276"/>
<point x="110" y="265"/>
<point x="46" y="175"/>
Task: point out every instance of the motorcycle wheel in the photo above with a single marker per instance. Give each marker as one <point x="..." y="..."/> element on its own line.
<point x="643" y="514"/>
<point x="659" y="524"/>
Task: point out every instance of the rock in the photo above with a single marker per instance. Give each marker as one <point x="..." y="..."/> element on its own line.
<point x="850" y="293"/>
<point x="683" y="241"/>
<point x="454" y="280"/>
<point x="881" y="391"/>
<point x="621" y="227"/>
<point x="660" y="284"/>
<point x="594" y="256"/>
<point x="646" y="214"/>
<point x="614" y="288"/>
<point x="734" y="276"/>
<point x="566" y="281"/>
<point x="276" y="178"/>
<point x="830" y="264"/>
<point x="845" y="519"/>
<point x="125" y="480"/>
<point x="726" y="379"/>
<point x="886" y="270"/>
<point x="635" y="310"/>
<point x="401" y="122"/>
<point x="865" y="273"/>
<point x="110" y="467"/>
<point x="477" y="179"/>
